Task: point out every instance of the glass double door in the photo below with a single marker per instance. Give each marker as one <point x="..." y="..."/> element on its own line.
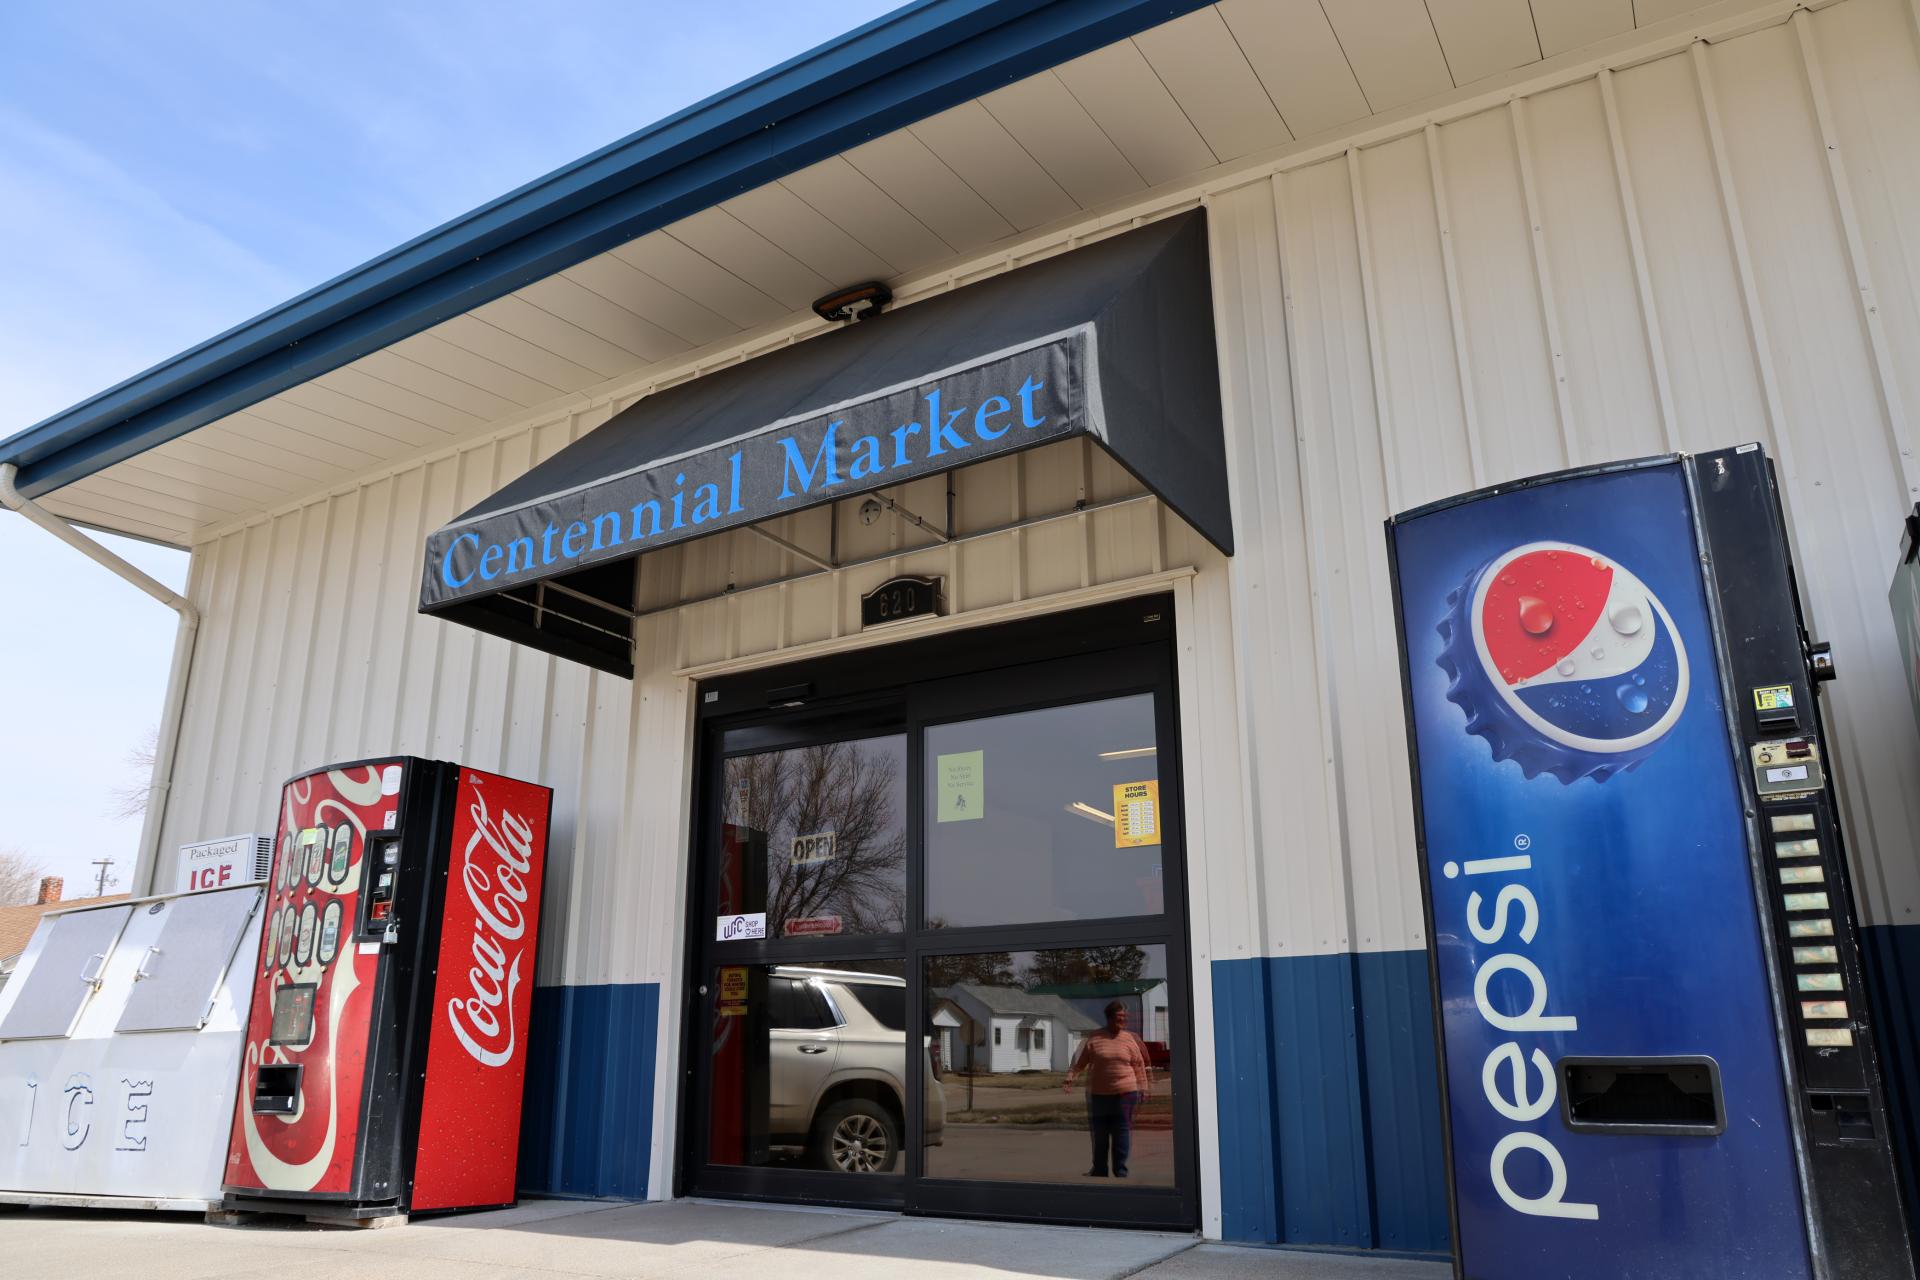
<point x="941" y="964"/>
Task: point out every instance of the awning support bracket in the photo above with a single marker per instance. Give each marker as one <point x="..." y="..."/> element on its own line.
<point x="939" y="534"/>
<point x="792" y="548"/>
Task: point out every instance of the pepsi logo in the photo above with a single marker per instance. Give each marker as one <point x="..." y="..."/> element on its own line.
<point x="1564" y="661"/>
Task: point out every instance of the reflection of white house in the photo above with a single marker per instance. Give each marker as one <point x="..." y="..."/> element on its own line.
<point x="1001" y="1029"/>
<point x="1145" y="999"/>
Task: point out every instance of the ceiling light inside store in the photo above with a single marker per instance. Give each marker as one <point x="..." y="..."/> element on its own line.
<point x="1088" y="811"/>
<point x="1131" y="753"/>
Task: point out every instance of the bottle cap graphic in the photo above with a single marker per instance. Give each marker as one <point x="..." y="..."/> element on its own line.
<point x="1563" y="661"/>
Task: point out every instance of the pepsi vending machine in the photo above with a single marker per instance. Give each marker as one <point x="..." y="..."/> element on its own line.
<point x="1655" y="1053"/>
<point x="385" y="1055"/>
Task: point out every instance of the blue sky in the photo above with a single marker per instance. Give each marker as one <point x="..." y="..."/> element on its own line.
<point x="169" y="170"/>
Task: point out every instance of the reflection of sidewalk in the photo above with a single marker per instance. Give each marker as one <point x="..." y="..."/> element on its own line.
<point x="681" y="1241"/>
<point x="1036" y="1153"/>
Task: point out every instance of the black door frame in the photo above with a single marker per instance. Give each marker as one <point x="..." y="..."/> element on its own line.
<point x="1111" y="650"/>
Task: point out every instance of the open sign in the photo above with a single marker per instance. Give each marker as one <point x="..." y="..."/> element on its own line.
<point x="811" y="849"/>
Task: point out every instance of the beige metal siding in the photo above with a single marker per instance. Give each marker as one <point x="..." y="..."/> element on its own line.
<point x="1715" y="246"/>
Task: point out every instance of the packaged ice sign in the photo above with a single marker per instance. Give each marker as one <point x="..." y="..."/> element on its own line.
<point x="1625" y="1077"/>
<point x="223" y="863"/>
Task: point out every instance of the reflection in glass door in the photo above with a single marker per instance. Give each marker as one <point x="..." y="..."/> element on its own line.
<point x="970" y="994"/>
<point x="1055" y="1066"/>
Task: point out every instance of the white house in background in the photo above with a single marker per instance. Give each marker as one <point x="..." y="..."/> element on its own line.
<point x="1145" y="999"/>
<point x="1005" y="1029"/>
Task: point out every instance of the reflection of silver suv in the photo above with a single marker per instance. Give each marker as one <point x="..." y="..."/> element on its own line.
<point x="835" y="1040"/>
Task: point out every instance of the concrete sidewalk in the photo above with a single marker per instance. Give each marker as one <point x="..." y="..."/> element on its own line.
<point x="678" y="1239"/>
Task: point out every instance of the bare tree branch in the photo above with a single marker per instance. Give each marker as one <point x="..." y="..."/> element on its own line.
<point x="130" y="801"/>
<point x="19" y="878"/>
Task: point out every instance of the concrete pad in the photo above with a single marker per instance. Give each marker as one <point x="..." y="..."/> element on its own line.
<point x="642" y="1239"/>
<point x="675" y="1241"/>
<point x="940" y="1249"/>
<point x="1235" y="1262"/>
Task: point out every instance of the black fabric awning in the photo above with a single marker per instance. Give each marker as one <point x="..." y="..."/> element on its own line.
<point x="1113" y="341"/>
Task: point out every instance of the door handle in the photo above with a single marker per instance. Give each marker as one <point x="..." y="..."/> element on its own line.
<point x="813" y="1048"/>
<point x="90" y="971"/>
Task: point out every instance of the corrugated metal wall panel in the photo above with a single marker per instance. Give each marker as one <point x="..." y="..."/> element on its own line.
<point x="1652" y="258"/>
<point x="1420" y="361"/>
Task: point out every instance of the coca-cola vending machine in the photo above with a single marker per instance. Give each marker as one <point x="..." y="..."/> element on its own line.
<point x="384" y="1056"/>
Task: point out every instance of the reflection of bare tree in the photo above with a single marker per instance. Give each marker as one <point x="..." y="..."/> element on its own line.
<point x="850" y="789"/>
<point x="988" y="968"/>
<point x="1084" y="964"/>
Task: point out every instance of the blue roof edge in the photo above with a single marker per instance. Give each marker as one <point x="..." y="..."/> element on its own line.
<point x="902" y="67"/>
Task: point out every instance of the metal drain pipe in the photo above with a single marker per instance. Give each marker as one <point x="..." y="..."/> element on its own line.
<point x="161" y="782"/>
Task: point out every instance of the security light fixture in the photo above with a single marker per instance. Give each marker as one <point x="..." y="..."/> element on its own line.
<point x="856" y="302"/>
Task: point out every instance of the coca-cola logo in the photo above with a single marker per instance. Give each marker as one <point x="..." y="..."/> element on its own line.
<point x="483" y="1021"/>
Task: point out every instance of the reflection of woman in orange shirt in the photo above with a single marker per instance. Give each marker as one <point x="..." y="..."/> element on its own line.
<point x="1118" y="1078"/>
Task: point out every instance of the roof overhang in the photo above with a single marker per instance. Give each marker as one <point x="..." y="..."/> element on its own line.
<point x="1113" y="342"/>
<point x="948" y="141"/>
<point x="895" y="70"/>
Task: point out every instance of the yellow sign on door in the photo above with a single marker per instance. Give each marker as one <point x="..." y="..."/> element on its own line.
<point x="1136" y="814"/>
<point x="733" y="990"/>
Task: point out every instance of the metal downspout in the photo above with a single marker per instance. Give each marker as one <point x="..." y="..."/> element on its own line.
<point x="161" y="782"/>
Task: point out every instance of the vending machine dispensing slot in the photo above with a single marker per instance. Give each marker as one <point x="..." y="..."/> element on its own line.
<point x="1656" y="1053"/>
<point x="276" y="1090"/>
<point x="1642" y="1095"/>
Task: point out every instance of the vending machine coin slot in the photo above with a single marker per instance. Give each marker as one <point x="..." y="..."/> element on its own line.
<point x="1642" y="1096"/>
<point x="1787" y="767"/>
<point x="276" y="1090"/>
<point x="1841" y="1117"/>
<point x="382" y="871"/>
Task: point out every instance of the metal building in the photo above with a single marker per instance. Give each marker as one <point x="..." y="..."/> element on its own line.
<point x="1445" y="245"/>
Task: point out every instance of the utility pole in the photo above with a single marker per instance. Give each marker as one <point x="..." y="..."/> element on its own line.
<point x="100" y="891"/>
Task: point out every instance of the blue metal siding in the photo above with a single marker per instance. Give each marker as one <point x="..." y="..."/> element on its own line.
<point x="1407" y="1178"/>
<point x="1329" y="1102"/>
<point x="587" y="1125"/>
<point x="898" y="69"/>
<point x="1243" y="1080"/>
